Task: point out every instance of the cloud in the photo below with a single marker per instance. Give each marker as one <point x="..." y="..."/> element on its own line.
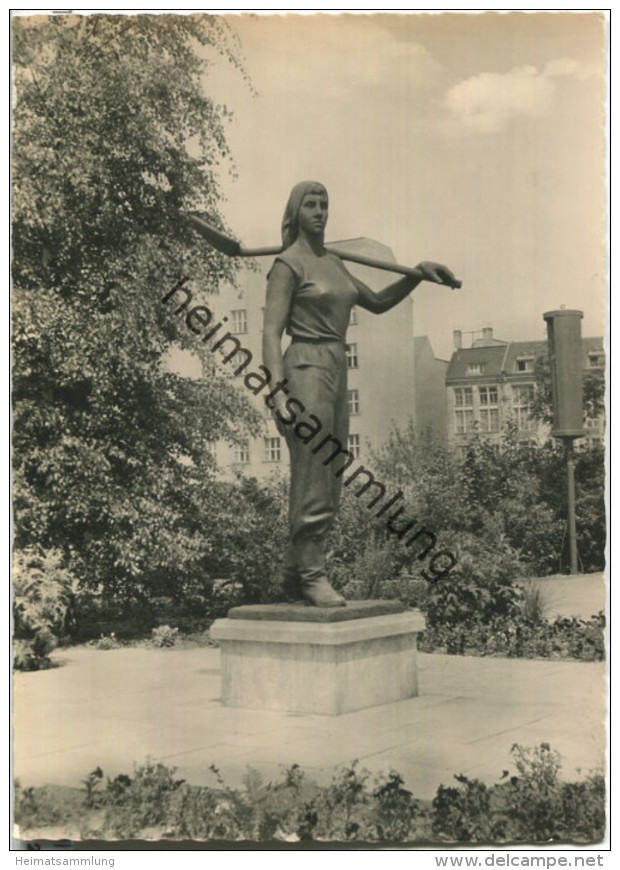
<point x="341" y="56"/>
<point x="566" y="67"/>
<point x="488" y="102"/>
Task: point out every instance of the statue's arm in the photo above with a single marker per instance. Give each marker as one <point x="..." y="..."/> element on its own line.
<point x="280" y="289"/>
<point x="383" y="300"/>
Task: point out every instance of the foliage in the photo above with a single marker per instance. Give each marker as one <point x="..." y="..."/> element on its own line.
<point x="565" y="638"/>
<point x="43" y="807"/>
<point x="464" y="813"/>
<point x="509" y="496"/>
<point x="112" y="134"/>
<point x="164" y="636"/>
<point x="534" y="602"/>
<point x="248" y="527"/>
<point x="481" y="588"/>
<point x="533" y="805"/>
<point x="533" y="797"/>
<point x="142" y="801"/>
<point x="92" y="784"/>
<point x="593" y="392"/>
<point x="108" y="641"/>
<point x="368" y="576"/>
<point x="44" y="592"/>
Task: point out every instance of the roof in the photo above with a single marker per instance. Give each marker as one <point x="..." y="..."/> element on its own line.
<point x="501" y="360"/>
<point x="523" y="349"/>
<point x="491" y="358"/>
<point x="422" y="344"/>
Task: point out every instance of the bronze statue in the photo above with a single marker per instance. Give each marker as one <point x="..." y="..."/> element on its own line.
<point x="310" y="294"/>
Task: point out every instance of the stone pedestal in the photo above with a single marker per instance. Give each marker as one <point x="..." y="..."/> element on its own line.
<point x="304" y="659"/>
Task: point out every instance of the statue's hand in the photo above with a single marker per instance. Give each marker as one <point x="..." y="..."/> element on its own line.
<point x="437" y="273"/>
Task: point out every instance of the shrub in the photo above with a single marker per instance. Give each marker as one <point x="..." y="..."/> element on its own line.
<point x="533" y="795"/>
<point x="563" y="638"/>
<point x="107" y="642"/>
<point x="534" y="602"/>
<point x="464" y="813"/>
<point x="248" y="533"/>
<point x="164" y="636"/>
<point x="368" y="576"/>
<point x="41" y="807"/>
<point x="532" y="805"/>
<point x="481" y="587"/>
<point x="44" y="592"/>
<point x="143" y="801"/>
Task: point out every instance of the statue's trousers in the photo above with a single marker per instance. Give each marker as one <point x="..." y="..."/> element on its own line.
<point x="317" y="377"/>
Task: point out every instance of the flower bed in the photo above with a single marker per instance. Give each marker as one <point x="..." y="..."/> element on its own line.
<point x="533" y="805"/>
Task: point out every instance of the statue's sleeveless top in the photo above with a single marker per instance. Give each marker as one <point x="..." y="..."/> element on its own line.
<point x="323" y="298"/>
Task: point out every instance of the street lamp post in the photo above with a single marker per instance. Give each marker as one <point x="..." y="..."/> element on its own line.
<point x="564" y="337"/>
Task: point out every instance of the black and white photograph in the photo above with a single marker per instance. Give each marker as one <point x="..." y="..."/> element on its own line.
<point x="309" y="375"/>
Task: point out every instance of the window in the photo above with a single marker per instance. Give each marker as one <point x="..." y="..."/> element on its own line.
<point x="595" y="430"/>
<point x="596" y="360"/>
<point x="489" y="411"/>
<point x="524" y="364"/>
<point x="242" y="452"/>
<point x="272" y="449"/>
<point x="595" y="426"/>
<point x="522" y="400"/>
<point x="239" y="321"/>
<point x="464" y="409"/>
<point x="354" y="401"/>
<point x="464" y="397"/>
<point x="475" y="368"/>
<point x="353" y="445"/>
<point x="353" y="317"/>
<point x="352" y="356"/>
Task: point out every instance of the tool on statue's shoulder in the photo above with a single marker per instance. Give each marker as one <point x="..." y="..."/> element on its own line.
<point x="232" y="248"/>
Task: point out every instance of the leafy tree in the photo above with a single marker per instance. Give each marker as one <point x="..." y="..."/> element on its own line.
<point x="593" y="392"/>
<point x="112" y="133"/>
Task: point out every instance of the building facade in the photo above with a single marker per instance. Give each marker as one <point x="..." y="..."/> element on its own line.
<point x="492" y="383"/>
<point x="380" y="355"/>
<point x="430" y="406"/>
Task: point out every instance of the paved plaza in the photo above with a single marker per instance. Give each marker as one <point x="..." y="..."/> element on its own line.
<point x="114" y="708"/>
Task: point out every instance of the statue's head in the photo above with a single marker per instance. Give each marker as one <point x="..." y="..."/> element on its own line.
<point x="290" y="221"/>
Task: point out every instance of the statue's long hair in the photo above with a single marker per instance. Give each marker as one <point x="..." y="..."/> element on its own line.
<point x="290" y="221"/>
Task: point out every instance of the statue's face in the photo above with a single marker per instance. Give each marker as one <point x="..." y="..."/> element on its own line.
<point x="314" y="211"/>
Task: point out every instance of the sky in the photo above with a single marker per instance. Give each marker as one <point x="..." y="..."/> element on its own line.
<point x="472" y="140"/>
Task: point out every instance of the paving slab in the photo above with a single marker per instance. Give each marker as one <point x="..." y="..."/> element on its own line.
<point x="115" y="708"/>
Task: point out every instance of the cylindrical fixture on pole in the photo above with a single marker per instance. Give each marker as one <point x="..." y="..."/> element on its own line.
<point x="564" y="334"/>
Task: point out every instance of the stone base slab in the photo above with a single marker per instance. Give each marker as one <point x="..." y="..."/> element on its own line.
<point x="318" y="667"/>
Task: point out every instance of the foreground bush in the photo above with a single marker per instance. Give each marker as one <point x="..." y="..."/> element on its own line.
<point x="533" y="805"/>
<point x="43" y="593"/>
<point x="566" y="638"/>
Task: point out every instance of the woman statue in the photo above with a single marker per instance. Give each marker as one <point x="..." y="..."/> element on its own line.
<point x="310" y="295"/>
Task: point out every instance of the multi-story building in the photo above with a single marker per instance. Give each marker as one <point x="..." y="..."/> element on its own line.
<point x="493" y="382"/>
<point x="380" y="354"/>
<point x="430" y="416"/>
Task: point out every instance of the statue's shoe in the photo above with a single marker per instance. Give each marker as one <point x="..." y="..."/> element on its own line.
<point x="289" y="586"/>
<point x="320" y="593"/>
